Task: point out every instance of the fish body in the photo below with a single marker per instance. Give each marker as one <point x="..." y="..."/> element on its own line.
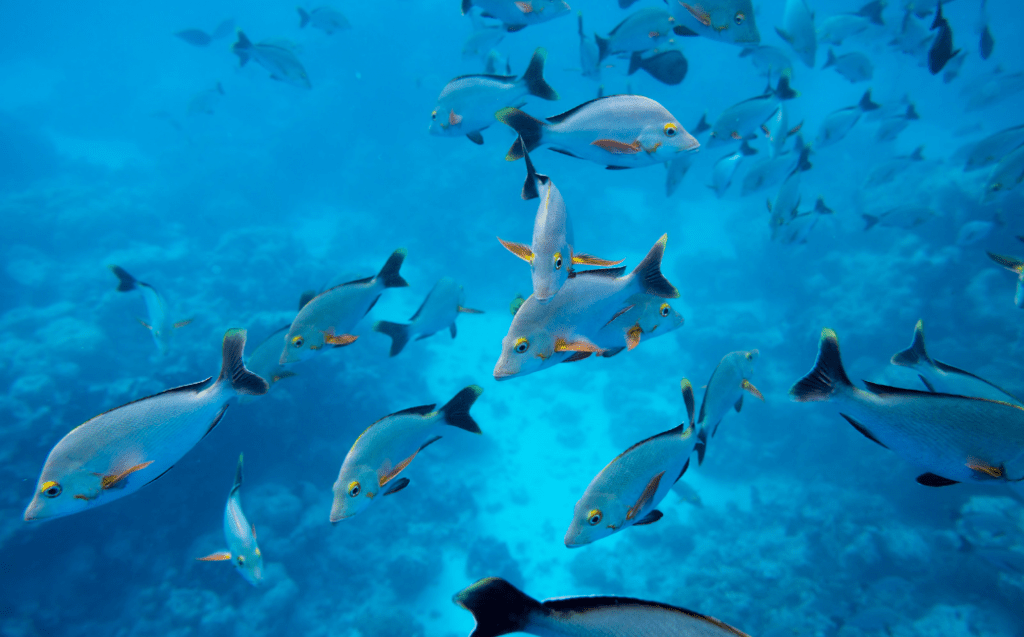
<point x="886" y="171"/>
<point x="327" y="19"/>
<point x="387" y="447"/>
<point x="668" y="67"/>
<point x="725" y="391"/>
<point x="158" y="320"/>
<point x="328" y="318"/>
<point x="1015" y="265"/>
<point x="771" y="171"/>
<point x="913" y="38"/>
<point x="891" y="127"/>
<point x="798" y="30"/>
<point x="1006" y="176"/>
<point x="481" y="42"/>
<point x="744" y="119"/>
<point x="519" y="14"/>
<point x="467" y="104"/>
<point x="265" y="360"/>
<point x="991" y="89"/>
<point x="439" y="310"/>
<point x="544" y="334"/>
<point x="118" y="452"/>
<point x="501" y="609"/>
<point x="619" y="131"/>
<point x="724" y="169"/>
<point x="279" y="60"/>
<point x="648" y="316"/>
<point x="243" y="552"/>
<point x="628" y="490"/>
<point x="642" y="30"/>
<point x="799" y="227"/>
<point x="973" y="232"/>
<point x="954" y="438"/>
<point x="203" y="103"/>
<point x="941" y="50"/>
<point x="834" y="29"/>
<point x="905" y="217"/>
<point x="838" y="123"/>
<point x="730" y="21"/>
<point x="945" y="379"/>
<point x="787" y="200"/>
<point x="855" y="67"/>
<point x="769" y="59"/>
<point x="994" y="147"/>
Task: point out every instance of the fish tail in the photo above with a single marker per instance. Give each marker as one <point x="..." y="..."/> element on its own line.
<point x="498" y="607"/>
<point x="238" y="476"/>
<point x="636" y="62"/>
<point x="125" y="281"/>
<point x="534" y="76"/>
<point x="873" y="12"/>
<point x="870" y="220"/>
<point x="866" y="104"/>
<point x="456" y="411"/>
<point x="648" y="273"/>
<point x="399" y="333"/>
<point x="914" y="354"/>
<point x="783" y="90"/>
<point x="389" y="273"/>
<point x="233" y="369"/>
<point x="828" y="374"/>
<point x="821" y="208"/>
<point x="303" y="18"/>
<point x="466" y="6"/>
<point x="1010" y="263"/>
<point x="702" y="445"/>
<point x="602" y="47"/>
<point x="530" y="131"/>
<point x="702" y="125"/>
<point x="242" y="48"/>
<point x="937" y="22"/>
<point x="687" y="389"/>
<point x="831" y="58"/>
<point x="530" y="185"/>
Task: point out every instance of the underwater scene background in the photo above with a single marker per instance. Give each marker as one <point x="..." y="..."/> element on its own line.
<point x="117" y="147"/>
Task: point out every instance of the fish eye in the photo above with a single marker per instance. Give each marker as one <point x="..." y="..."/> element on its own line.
<point x="558" y="260"/>
<point x="298" y="341"/>
<point x="433" y="115"/>
<point x="50" y="489"/>
<point x="241" y="560"/>
<point x="670" y="129"/>
<point x="522" y="344"/>
<point x="740" y="17"/>
<point x="353" y="489"/>
<point x="996" y="187"/>
<point x="664" y="309"/>
<point x="750" y="356"/>
<point x="594" y="517"/>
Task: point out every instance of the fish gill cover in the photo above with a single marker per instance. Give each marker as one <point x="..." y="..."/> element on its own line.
<point x="237" y="157"/>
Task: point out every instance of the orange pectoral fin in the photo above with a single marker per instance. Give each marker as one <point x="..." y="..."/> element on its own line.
<point x="386" y="475"/>
<point x="454" y="119"/>
<point x="699" y="13"/>
<point x="735" y="135"/>
<point x="645" y="497"/>
<point x="469" y="310"/>
<point x="579" y="345"/>
<point x="521" y="250"/>
<point x="983" y="467"/>
<point x="338" y="340"/>
<point x="219" y="556"/>
<point x="633" y="337"/>
<point x="525" y="7"/>
<point x="117" y="480"/>
<point x="587" y="259"/>
<point x="748" y="386"/>
<point x="617" y="148"/>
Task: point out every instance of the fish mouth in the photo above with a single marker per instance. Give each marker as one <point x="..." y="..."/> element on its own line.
<point x="573" y="543"/>
<point x="500" y="375"/>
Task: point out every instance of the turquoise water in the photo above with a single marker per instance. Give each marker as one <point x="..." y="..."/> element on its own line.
<point x="233" y="205"/>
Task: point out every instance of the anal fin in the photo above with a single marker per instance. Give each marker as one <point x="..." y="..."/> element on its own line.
<point x="864" y="431"/>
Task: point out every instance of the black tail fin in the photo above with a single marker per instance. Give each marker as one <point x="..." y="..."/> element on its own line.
<point x="873" y="12"/>
<point x="530" y="131"/>
<point x="389" y="273"/>
<point x="498" y="607"/>
<point x="668" y="67"/>
<point x="636" y="62"/>
<point x="866" y="104"/>
<point x="649" y="275"/>
<point x="702" y="125"/>
<point x="783" y="90"/>
<point x="242" y="48"/>
<point x="534" y="76"/>
<point x="911" y="112"/>
<point x="399" y="333"/>
<point x="828" y="374"/>
<point x="746" y="149"/>
<point x="602" y="47"/>
<point x="831" y="58"/>
<point x="233" y="369"/>
<point x="870" y="221"/>
<point x="466" y="6"/>
<point x="530" y="185"/>
<point x="821" y="208"/>
<point x="306" y="297"/>
<point x="918" y="154"/>
<point x="1010" y="263"/>
<point x="238" y="476"/>
<point x="125" y="281"/>
<point x="914" y="354"/>
<point x="303" y="18"/>
<point x="804" y="163"/>
<point x="687" y="389"/>
<point x="702" y="445"/>
<point x="937" y="22"/>
<point x="456" y="411"/>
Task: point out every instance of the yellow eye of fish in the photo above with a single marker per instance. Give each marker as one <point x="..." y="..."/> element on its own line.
<point x="353" y="489"/>
<point x="750" y="356"/>
<point x="298" y="341"/>
<point x="664" y="309"/>
<point x="521" y="345"/>
<point x="671" y="129"/>
<point x="558" y="260"/>
<point x="740" y="17"/>
<point x="433" y="115"/>
<point x="996" y="187"/>
<point x="50" y="489"/>
<point x="594" y="517"/>
<point x="241" y="560"/>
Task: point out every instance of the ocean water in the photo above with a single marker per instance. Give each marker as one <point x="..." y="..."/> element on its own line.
<point x="803" y="526"/>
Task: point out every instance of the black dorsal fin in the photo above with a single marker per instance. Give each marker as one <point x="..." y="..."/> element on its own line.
<point x="422" y="409"/>
<point x="557" y="119"/>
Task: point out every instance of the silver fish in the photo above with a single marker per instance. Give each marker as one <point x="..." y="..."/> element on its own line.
<point x="913" y="38"/>
<point x="1015" y="265"/>
<point x="838" y="123"/>
<point x="798" y="30"/>
<point x="945" y="379"/>
<point x="243" y="552"/>
<point x="590" y="54"/>
<point x="891" y="127"/>
<point x="769" y="59"/>
<point x="886" y="171"/>
<point x="799" y="227"/>
<point x="787" y="201"/>
<point x="724" y="169"/>
<point x="647" y="317"/>
<point x="1007" y="175"/>
<point x="327" y="19"/>
<point x="994" y="147"/>
<point x="836" y="28"/>
<point x="745" y="119"/>
<point x="771" y="171"/>
<point x="329" y="317"/>
<point x="279" y="60"/>
<point x="643" y="30"/>
<point x="954" y="438"/>
<point x="519" y="14"/>
<point x="855" y="67"/>
<point x="120" y="451"/>
<point x="481" y="42"/>
<point x="619" y="131"/>
<point x="628" y="490"/>
<point x="725" y="391"/>
<point x="991" y="89"/>
<point x="730" y="21"/>
<point x="160" y="324"/>
<point x="438" y="311"/>
<point x="387" y="447"/>
<point x="974" y="231"/>
<point x="907" y="216"/>
<point x="500" y="609"/>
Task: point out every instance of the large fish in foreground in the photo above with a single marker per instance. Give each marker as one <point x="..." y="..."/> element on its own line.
<point x="619" y="131"/>
<point x="438" y="311"/>
<point x="120" y="451"/>
<point x="946" y="379"/>
<point x="501" y="609"/>
<point x="160" y="324"/>
<point x="1015" y="265"/>
<point x="954" y="438"/>
<point x="281" y="62"/>
<point x="725" y="390"/>
<point x="330" y="315"/>
<point x="730" y="21"/>
<point x="387" y="447"/>
<point x="243" y="552"/>
<point x="628" y="490"/>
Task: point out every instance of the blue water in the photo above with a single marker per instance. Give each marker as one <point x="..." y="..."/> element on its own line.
<point x="805" y="526"/>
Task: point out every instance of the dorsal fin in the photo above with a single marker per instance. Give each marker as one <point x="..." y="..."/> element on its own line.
<point x="556" y="119"/>
<point x="422" y="409"/>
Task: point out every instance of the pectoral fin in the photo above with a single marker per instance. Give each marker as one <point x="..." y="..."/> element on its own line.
<point x="116" y="480"/>
<point x="747" y="385"/>
<point x="521" y="250"/>
<point x="453" y="119"/>
<point x="219" y="556"/>
<point x="397" y="486"/>
<point x="633" y="337"/>
<point x="386" y="474"/>
<point x="989" y="471"/>
<point x="338" y="340"/>
<point x="645" y="497"/>
<point x="469" y="310"/>
<point x="525" y="7"/>
<point x="617" y="148"/>
<point x="619" y="313"/>
<point x="932" y="480"/>
<point x="699" y="13"/>
<point x="586" y="259"/>
<point x="579" y="345"/>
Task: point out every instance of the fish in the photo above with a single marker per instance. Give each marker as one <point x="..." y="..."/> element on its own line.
<point x="891" y="127"/>
<point x="387" y="447"/>
<point x="518" y="14"/>
<point x="836" y="28"/>
<point x="991" y="89"/>
<point x="799" y="227"/>
<point x="223" y="29"/>
<point x="619" y="131"/>
<point x="729" y="21"/>
<point x="787" y="201"/>
<point x="552" y="253"/>
<point x="974" y="231"/>
<point x="994" y="147"/>
<point x="905" y="216"/>
<point x="544" y="334"/>
<point x="203" y="102"/>
<point x="728" y="384"/>
<point x="628" y="490"/>
<point x="1015" y="265"/>
<point x="855" y="67"/>
<point x="647" y="315"/>
<point x="771" y="171"/>
<point x="668" y="67"/>
<point x="467" y="104"/>
<point x="776" y="128"/>
<point x="516" y="303"/>
<point x="327" y="19"/>
<point x="798" y="30"/>
<point x="590" y="55"/>
<point x="329" y="316"/>
<point x="986" y="43"/>
<point x="265" y="360"/>
<point x="437" y="312"/>
<point x="500" y="608"/>
<point x="724" y="169"/>
<point x="687" y="494"/>
<point x="481" y="42"/>
<point x="1006" y="176"/>
<point x="886" y="171"/>
<point x="643" y="30"/>
<point x="745" y="119"/>
<point x="941" y="50"/>
<point x="122" y="450"/>
<point x="196" y="37"/>
<point x="279" y="60"/>
<point x="160" y="324"/>
<point x="952" y="69"/>
<point x="913" y="39"/>
<point x="941" y="378"/>
<point x="243" y="552"/>
<point x="840" y="122"/>
<point x="953" y="438"/>
<point x="769" y="59"/>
